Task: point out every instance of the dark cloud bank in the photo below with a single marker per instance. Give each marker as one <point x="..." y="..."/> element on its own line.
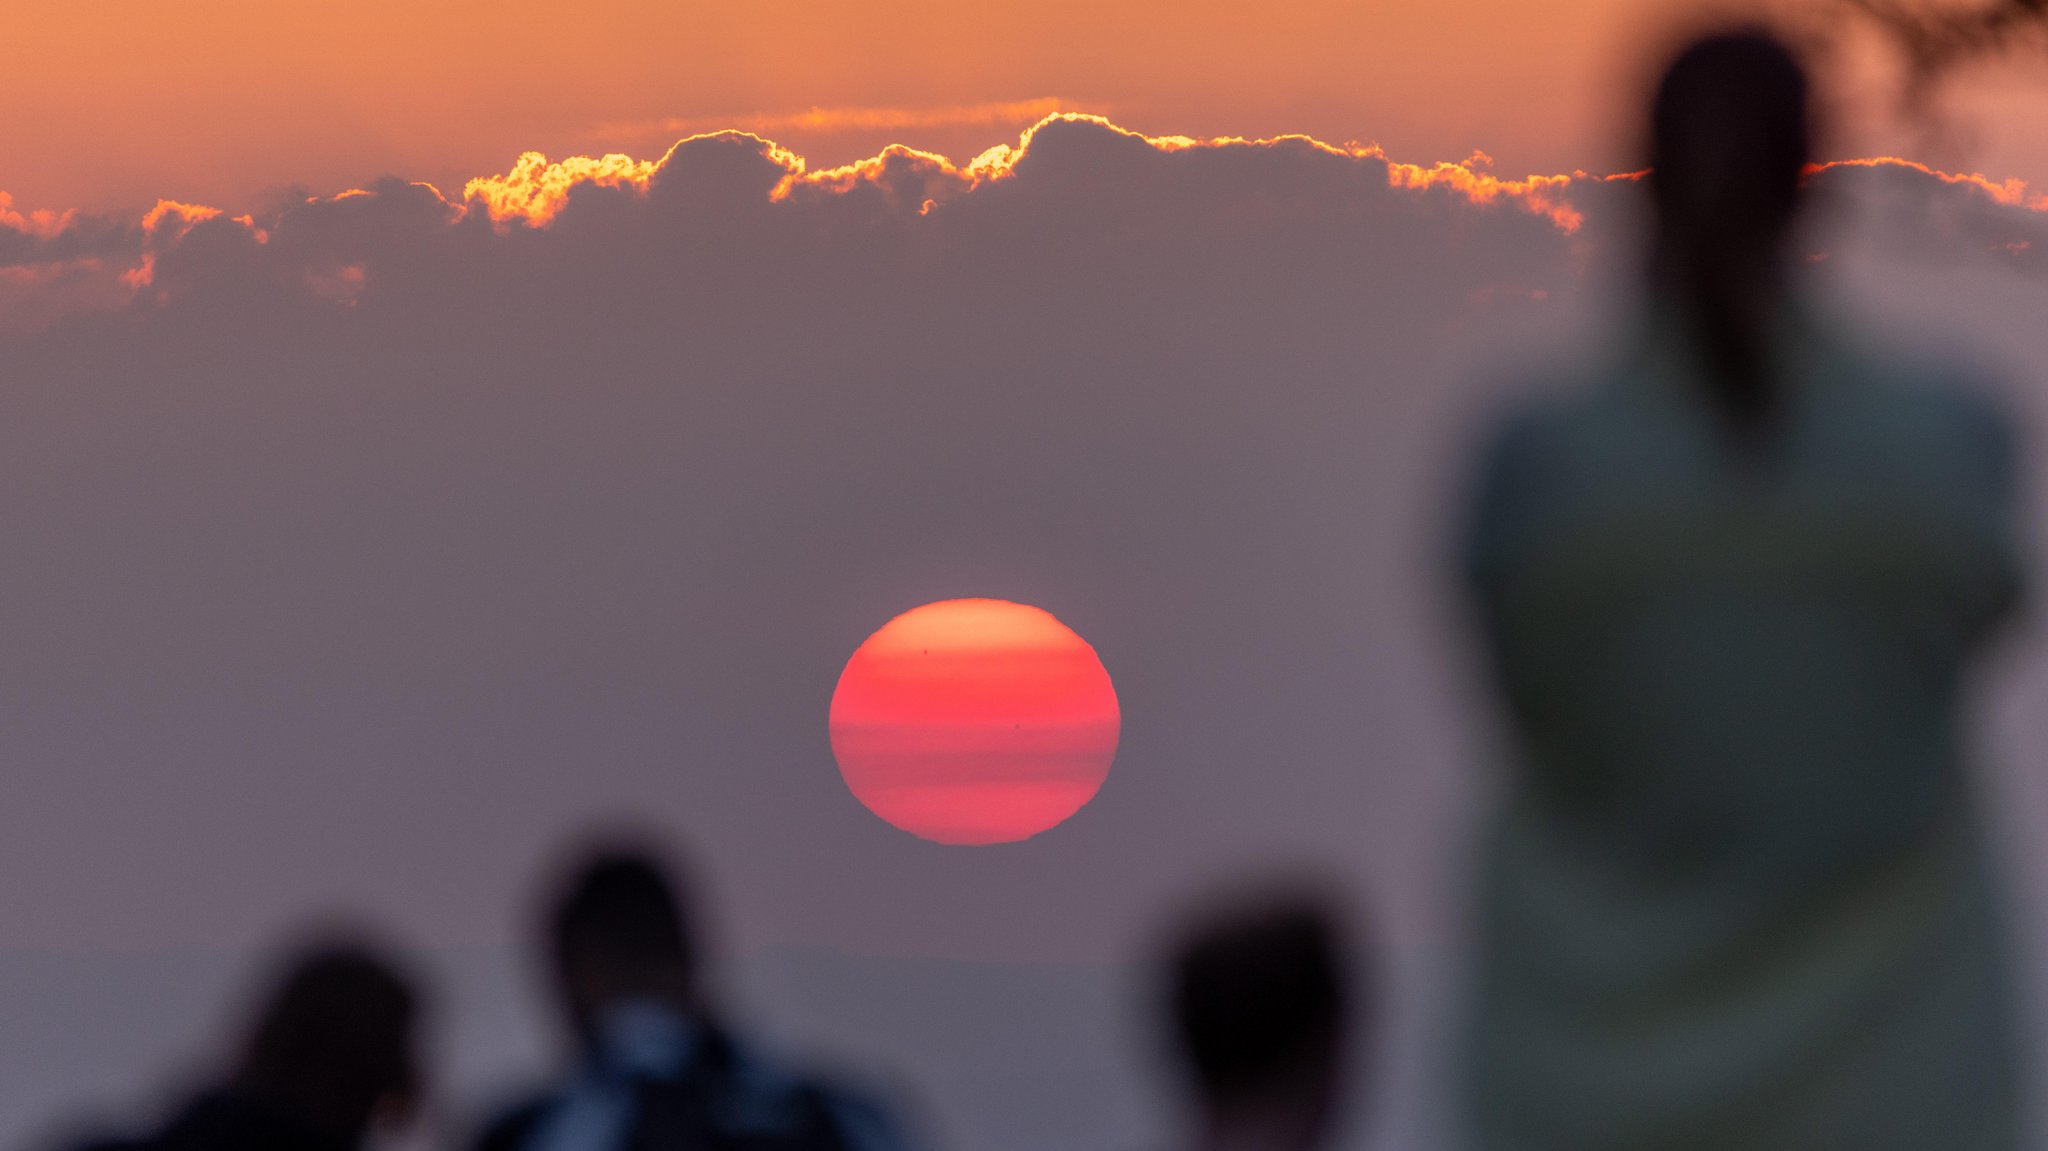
<point x="358" y="552"/>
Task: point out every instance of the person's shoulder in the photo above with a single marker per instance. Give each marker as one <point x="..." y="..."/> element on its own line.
<point x="509" y="1126"/>
<point x="103" y="1141"/>
<point x="1542" y="417"/>
<point x="93" y="1134"/>
<point x="1555" y="406"/>
<point x="1930" y="382"/>
<point x="1940" y="408"/>
<point x="1530" y="424"/>
<point x="765" y="1093"/>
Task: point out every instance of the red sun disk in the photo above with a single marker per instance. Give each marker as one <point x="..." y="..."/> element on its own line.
<point x="974" y="722"/>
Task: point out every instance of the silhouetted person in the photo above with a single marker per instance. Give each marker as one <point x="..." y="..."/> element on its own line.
<point x="1732" y="580"/>
<point x="654" y="1070"/>
<point x="330" y="1058"/>
<point x="1263" y="1015"/>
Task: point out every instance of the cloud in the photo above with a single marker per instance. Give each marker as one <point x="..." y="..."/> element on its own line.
<point x="42" y="223"/>
<point x="535" y="189"/>
<point x="1908" y="209"/>
<point x="57" y="263"/>
<point x="2012" y="192"/>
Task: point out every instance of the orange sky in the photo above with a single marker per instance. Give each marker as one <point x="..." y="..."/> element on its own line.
<point x="117" y="103"/>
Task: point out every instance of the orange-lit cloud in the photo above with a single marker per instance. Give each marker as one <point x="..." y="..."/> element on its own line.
<point x="180" y="216"/>
<point x="34" y="296"/>
<point x="100" y="262"/>
<point x="38" y="223"/>
<point x="163" y="225"/>
<point x="1543" y="195"/>
<point x="2011" y="192"/>
<point x="536" y="188"/>
<point x="341" y="285"/>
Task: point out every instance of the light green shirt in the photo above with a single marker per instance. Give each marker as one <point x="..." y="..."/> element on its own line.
<point x="1735" y="895"/>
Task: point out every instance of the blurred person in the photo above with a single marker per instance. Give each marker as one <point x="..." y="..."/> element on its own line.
<point x="329" y="1064"/>
<point x="1263" y="1016"/>
<point x="654" y="1069"/>
<point x="1731" y="582"/>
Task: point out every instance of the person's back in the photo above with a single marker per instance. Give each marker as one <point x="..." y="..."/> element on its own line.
<point x="328" y="1060"/>
<point x="1735" y="894"/>
<point x="1785" y="649"/>
<point x="231" y="1120"/>
<point x="655" y="1071"/>
<point x="655" y="1082"/>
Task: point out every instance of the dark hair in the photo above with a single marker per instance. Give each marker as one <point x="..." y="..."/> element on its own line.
<point x="1730" y="140"/>
<point x="620" y="903"/>
<point x="1258" y="995"/>
<point x="335" y="1037"/>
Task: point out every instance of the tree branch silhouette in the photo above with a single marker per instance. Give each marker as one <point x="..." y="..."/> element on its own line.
<point x="1935" y="38"/>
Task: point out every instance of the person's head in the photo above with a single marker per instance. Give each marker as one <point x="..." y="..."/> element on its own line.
<point x="617" y="931"/>
<point x="1730" y="138"/>
<point x="334" y="1041"/>
<point x="1263" y="1014"/>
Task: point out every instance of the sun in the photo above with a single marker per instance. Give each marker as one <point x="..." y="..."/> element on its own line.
<point x="975" y="721"/>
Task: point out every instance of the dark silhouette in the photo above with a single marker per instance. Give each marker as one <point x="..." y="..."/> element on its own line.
<point x="1731" y="580"/>
<point x="1264" y="1015"/>
<point x="1729" y="141"/>
<point x="655" y="1070"/>
<point x="329" y="1059"/>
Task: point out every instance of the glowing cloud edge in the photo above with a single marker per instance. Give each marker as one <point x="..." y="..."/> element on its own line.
<point x="535" y="189"/>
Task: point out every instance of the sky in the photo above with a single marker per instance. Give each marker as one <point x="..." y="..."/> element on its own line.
<point x="364" y="551"/>
<point x="368" y="540"/>
<point x="228" y="102"/>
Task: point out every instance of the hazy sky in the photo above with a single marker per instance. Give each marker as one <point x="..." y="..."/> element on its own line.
<point x="363" y="547"/>
<point x="362" y="550"/>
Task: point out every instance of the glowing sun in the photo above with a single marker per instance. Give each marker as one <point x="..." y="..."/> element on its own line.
<point x="974" y="721"/>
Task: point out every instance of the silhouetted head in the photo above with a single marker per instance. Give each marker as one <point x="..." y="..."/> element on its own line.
<point x="1730" y="139"/>
<point x="618" y="932"/>
<point x="1263" y="1014"/>
<point x="335" y="1041"/>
